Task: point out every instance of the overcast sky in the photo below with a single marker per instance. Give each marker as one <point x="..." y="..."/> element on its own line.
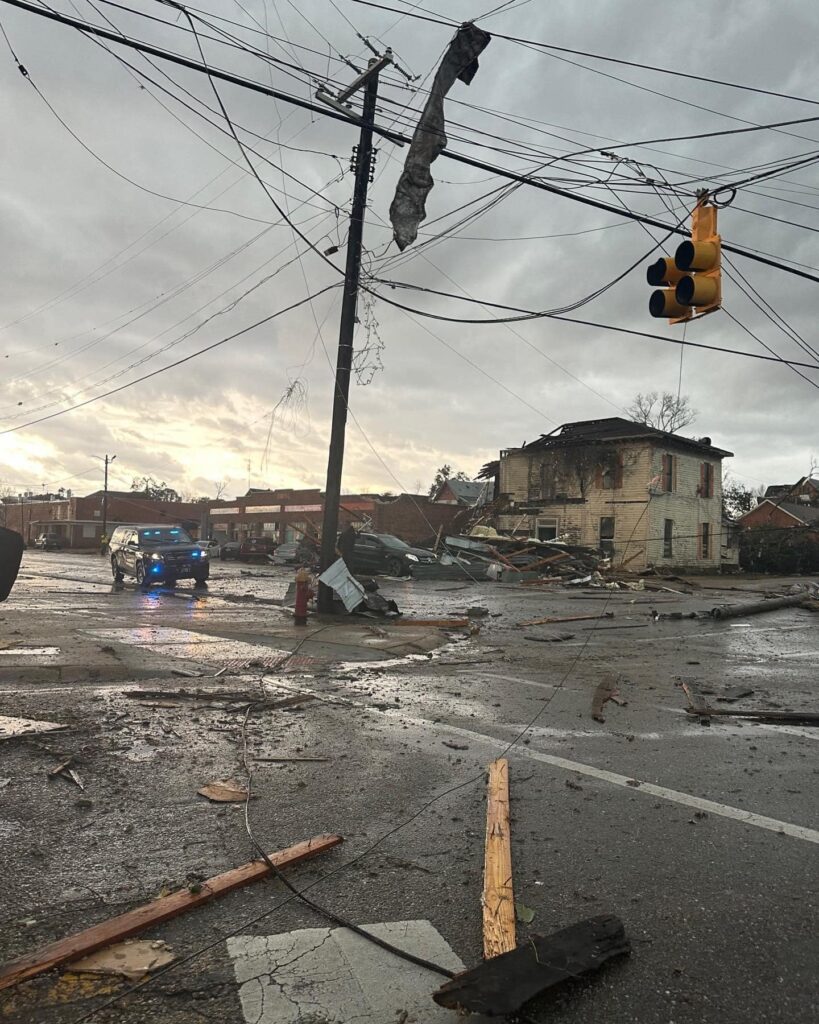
<point x="104" y="282"/>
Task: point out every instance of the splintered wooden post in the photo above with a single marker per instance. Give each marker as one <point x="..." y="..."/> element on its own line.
<point x="498" y="895"/>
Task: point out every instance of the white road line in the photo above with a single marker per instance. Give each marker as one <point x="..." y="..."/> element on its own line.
<point x="625" y="781"/>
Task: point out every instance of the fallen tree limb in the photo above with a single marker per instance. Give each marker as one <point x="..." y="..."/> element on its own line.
<point x="134" y="921"/>
<point x="502" y="985"/>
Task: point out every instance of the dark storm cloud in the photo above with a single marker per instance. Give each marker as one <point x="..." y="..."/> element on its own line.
<point x="66" y="215"/>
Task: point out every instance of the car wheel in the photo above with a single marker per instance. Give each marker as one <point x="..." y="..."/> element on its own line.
<point x="115" y="571"/>
<point x="395" y="567"/>
<point x="140" y="575"/>
<point x="170" y="582"/>
<point x="201" y="580"/>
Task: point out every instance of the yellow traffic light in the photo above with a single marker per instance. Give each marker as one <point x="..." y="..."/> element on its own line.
<point x="664" y="301"/>
<point x="694" y="275"/>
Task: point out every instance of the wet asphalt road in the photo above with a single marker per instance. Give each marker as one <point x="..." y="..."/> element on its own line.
<point x="719" y="898"/>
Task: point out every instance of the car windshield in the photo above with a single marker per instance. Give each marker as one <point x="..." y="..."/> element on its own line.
<point x="389" y="541"/>
<point x="164" y="535"/>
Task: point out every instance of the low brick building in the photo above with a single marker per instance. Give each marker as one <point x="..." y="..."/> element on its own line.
<point x="286" y="514"/>
<point x="77" y="521"/>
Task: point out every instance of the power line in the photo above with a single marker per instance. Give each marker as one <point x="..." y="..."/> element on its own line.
<point x="393" y="136"/>
<point x="170" y="366"/>
<point x="615" y="60"/>
<point x="529" y="314"/>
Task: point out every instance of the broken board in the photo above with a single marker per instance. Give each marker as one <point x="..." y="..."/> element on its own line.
<point x="502" y="985"/>
<point x="63" y="951"/>
<point x="498" y="892"/>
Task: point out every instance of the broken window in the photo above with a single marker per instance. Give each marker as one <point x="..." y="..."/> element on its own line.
<point x="546" y="529"/>
<point x="706" y="480"/>
<point x="547" y="480"/>
<point x="668" y="538"/>
<point x="705" y="540"/>
<point x="668" y="472"/>
<point x="607" y="535"/>
<point x="610" y="472"/>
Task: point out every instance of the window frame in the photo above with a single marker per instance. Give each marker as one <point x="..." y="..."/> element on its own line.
<point x="705" y="540"/>
<point x="667" y="475"/>
<point x="668" y="538"/>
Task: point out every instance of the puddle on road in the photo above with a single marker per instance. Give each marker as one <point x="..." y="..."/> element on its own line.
<point x="188" y="645"/>
<point x="30" y="651"/>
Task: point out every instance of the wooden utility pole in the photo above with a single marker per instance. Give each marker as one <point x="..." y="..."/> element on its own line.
<point x="108" y="459"/>
<point x="362" y="162"/>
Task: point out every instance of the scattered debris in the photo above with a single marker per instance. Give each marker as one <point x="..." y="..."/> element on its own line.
<point x="735" y="693"/>
<point x="66" y="771"/>
<point x="523" y="913"/>
<point x="132" y="959"/>
<point x="768" y="717"/>
<point x="502" y="984"/>
<point x="287" y="760"/>
<point x="11" y="727"/>
<point x="151" y="914"/>
<point x="552" y="638"/>
<point x="565" y="618"/>
<point x="698" y="704"/>
<point x="455" y="746"/>
<point x="633" y="625"/>
<point x="188" y="673"/>
<point x="224" y="792"/>
<point x="605" y="692"/>
<point x="236" y="697"/>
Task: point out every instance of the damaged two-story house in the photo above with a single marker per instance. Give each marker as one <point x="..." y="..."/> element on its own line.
<point x="641" y="495"/>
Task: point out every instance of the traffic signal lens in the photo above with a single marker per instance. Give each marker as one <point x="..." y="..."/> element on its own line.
<point x="663" y="303"/>
<point x="696" y="255"/>
<point x="697" y="291"/>
<point x="664" y="271"/>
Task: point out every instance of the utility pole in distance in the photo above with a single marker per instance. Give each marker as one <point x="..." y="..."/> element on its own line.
<point x="108" y="459"/>
<point x="362" y="161"/>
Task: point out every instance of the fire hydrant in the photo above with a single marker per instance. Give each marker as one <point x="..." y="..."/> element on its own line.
<point x="303" y="594"/>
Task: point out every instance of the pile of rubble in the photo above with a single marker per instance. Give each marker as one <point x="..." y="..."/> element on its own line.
<point x="494" y="556"/>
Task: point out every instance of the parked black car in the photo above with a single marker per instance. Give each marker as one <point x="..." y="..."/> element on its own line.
<point x="157" y="554"/>
<point x="230" y="549"/>
<point x="383" y="553"/>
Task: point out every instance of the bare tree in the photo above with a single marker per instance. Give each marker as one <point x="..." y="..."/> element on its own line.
<point x="664" y="412"/>
<point x="221" y="486"/>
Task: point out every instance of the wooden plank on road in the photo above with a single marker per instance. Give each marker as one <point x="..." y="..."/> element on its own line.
<point x="498" y="891"/>
<point x="151" y="914"/>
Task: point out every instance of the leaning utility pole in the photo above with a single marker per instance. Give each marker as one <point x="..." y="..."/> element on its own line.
<point x="362" y="163"/>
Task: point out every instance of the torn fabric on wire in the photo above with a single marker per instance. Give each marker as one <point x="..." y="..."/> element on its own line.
<point x="408" y="207"/>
